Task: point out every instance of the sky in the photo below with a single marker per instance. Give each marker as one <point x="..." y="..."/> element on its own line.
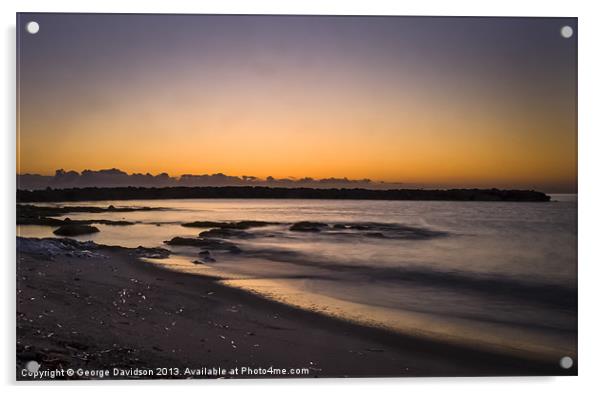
<point x="433" y="102"/>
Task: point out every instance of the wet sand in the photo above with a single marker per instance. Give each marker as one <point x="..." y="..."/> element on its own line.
<point x="117" y="311"/>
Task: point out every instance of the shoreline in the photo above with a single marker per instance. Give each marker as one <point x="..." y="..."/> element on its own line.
<point x="116" y="310"/>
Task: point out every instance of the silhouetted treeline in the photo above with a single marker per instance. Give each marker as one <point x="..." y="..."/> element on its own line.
<point x="141" y="193"/>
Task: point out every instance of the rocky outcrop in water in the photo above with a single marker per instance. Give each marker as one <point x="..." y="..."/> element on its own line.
<point x="42" y="216"/>
<point x="212" y="244"/>
<point x="142" y="193"/>
<point x="71" y="230"/>
<point x="225" y="233"/>
<point x="240" y="225"/>
<point x="308" y="226"/>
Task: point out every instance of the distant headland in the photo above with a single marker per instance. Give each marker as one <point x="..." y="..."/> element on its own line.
<point x="260" y="192"/>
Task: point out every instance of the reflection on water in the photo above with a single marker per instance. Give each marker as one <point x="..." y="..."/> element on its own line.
<point x="501" y="275"/>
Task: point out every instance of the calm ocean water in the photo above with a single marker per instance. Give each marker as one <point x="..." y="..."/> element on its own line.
<point x="502" y="276"/>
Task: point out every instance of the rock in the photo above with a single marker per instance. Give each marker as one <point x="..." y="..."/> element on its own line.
<point x="31" y="214"/>
<point x="202" y="224"/>
<point x="241" y="225"/>
<point x="38" y="220"/>
<point x="247" y="224"/>
<point x="153" y="253"/>
<point x="214" y="244"/>
<point x="136" y="193"/>
<point x="50" y="247"/>
<point x="70" y="230"/>
<point x="109" y="222"/>
<point x="225" y="233"/>
<point x="182" y="241"/>
<point x="375" y="235"/>
<point x="307" y="226"/>
<point x="391" y="230"/>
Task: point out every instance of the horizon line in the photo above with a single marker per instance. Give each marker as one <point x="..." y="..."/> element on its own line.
<point x="114" y="177"/>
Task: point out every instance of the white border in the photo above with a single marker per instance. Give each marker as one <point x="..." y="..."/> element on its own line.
<point x="590" y="190"/>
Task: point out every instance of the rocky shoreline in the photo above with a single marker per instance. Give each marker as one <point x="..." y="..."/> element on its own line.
<point x="28" y="214"/>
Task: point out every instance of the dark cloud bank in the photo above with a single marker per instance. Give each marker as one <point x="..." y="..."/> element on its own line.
<point x="116" y="178"/>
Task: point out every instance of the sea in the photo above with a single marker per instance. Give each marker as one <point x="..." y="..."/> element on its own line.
<point x="496" y="276"/>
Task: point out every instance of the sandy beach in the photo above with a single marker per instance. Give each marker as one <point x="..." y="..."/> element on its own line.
<point x="111" y="311"/>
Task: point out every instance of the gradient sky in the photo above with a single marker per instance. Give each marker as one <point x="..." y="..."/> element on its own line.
<point x="483" y="102"/>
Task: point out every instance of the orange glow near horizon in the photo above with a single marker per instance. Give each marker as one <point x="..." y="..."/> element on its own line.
<point x="407" y="142"/>
<point x="276" y="113"/>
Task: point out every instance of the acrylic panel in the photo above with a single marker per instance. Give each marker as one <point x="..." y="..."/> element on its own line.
<point x="273" y="196"/>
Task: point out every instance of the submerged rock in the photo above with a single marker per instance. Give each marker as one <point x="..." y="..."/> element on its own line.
<point x="388" y="230"/>
<point x="247" y="224"/>
<point x="108" y="222"/>
<point x="204" y="260"/>
<point x="39" y="220"/>
<point x="70" y="230"/>
<point x="359" y="227"/>
<point x="42" y="216"/>
<point x="308" y="226"/>
<point x="225" y="233"/>
<point x="214" y="244"/>
<point x="240" y="225"/>
<point x="375" y="235"/>
<point x="201" y="224"/>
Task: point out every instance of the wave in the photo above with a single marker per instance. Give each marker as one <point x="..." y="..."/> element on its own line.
<point x="550" y="294"/>
<point x="462" y="281"/>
